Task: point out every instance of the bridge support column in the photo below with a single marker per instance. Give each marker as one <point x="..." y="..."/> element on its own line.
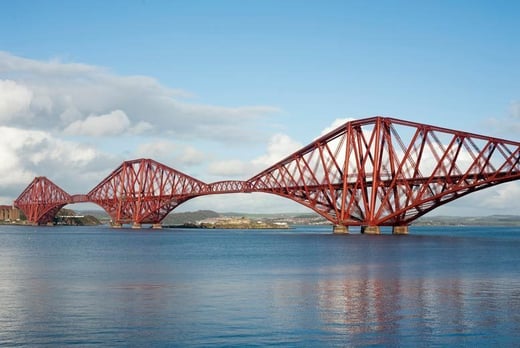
<point x="340" y="229"/>
<point x="157" y="226"/>
<point x="400" y="230"/>
<point x="136" y="225"/>
<point x="370" y="230"/>
<point x="117" y="225"/>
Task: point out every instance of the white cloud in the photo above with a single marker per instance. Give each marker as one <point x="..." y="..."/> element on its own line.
<point x="73" y="97"/>
<point x="501" y="198"/>
<point x="279" y="147"/>
<point x="9" y="62"/>
<point x="70" y="115"/>
<point x="15" y="100"/>
<point x="191" y="156"/>
<point x="112" y="123"/>
<point x="170" y="153"/>
<point x="508" y="125"/>
<point x="335" y="124"/>
<point x="233" y="169"/>
<point x="157" y="149"/>
<point x="43" y="101"/>
<point x="27" y="153"/>
<point x="141" y="127"/>
<point x="497" y="200"/>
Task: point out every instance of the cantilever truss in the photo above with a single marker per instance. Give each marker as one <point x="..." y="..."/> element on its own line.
<point x="370" y="172"/>
<point x="42" y="200"/>
<point x="144" y="191"/>
<point x="384" y="171"/>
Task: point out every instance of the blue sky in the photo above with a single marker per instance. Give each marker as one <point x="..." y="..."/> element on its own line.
<point x="218" y="89"/>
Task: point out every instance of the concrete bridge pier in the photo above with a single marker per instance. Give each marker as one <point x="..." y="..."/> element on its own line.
<point x="117" y="225"/>
<point x="157" y="226"/>
<point x="136" y="225"/>
<point x="400" y="230"/>
<point x="370" y="230"/>
<point x="340" y="229"/>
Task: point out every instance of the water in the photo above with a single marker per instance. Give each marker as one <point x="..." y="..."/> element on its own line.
<point x="91" y="286"/>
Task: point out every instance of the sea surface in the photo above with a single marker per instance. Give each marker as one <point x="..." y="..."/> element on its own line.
<point x="303" y="287"/>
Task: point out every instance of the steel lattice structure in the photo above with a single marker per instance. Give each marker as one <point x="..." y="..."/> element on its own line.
<point x="144" y="191"/>
<point x="371" y="172"/>
<point x="42" y="200"/>
<point x="384" y="171"/>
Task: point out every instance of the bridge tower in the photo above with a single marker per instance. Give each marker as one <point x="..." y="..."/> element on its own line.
<point x="370" y="173"/>
<point x="41" y="200"/>
<point x="388" y="172"/>
<point x="143" y="191"/>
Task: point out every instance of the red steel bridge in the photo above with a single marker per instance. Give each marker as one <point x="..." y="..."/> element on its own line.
<point x="372" y="172"/>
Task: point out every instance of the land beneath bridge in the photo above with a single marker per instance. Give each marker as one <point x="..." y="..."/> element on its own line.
<point x="212" y="219"/>
<point x="205" y="219"/>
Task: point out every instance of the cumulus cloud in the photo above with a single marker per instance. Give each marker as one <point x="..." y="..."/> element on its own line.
<point x="105" y="118"/>
<point x="498" y="200"/>
<point x="25" y="154"/>
<point x="170" y="153"/>
<point x="507" y="125"/>
<point x="77" y="98"/>
<point x="279" y="147"/>
<point x="335" y="124"/>
<point x="15" y="100"/>
<point x="230" y="168"/>
<point x="112" y="123"/>
<point x="9" y="62"/>
<point x="140" y="127"/>
<point x="11" y="166"/>
<point x="501" y="198"/>
<point x="191" y="156"/>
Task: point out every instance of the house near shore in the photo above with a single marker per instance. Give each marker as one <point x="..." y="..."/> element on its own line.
<point x="9" y="213"/>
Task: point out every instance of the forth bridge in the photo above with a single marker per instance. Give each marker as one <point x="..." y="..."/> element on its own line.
<point x="370" y="173"/>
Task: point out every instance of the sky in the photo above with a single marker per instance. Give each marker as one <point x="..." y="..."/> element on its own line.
<point x="221" y="90"/>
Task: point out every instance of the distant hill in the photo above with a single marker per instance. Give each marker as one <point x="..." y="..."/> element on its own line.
<point x="175" y="218"/>
<point x="98" y="214"/>
<point x="70" y="217"/>
<point x="172" y="219"/>
<point x="189" y="217"/>
<point x="491" y="220"/>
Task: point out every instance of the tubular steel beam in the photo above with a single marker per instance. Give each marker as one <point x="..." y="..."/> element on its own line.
<point x="144" y="191"/>
<point x="371" y="172"/>
<point x="384" y="171"/>
<point x="41" y="200"/>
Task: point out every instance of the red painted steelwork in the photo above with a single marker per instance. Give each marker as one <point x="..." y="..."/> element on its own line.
<point x="384" y="171"/>
<point x="144" y="191"/>
<point x="41" y="200"/>
<point x="229" y="186"/>
<point x="370" y="172"/>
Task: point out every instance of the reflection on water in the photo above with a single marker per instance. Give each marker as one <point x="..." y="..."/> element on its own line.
<point x="101" y="287"/>
<point x="441" y="311"/>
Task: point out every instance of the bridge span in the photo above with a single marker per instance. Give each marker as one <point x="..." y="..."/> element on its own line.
<point x="372" y="172"/>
